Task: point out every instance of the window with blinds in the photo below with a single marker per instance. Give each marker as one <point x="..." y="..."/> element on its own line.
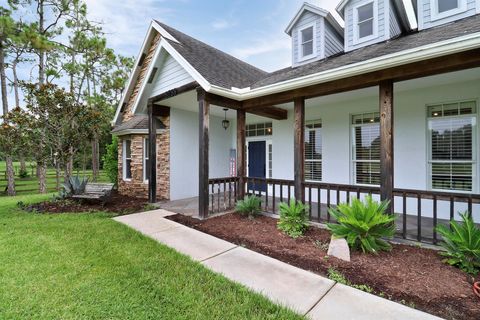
<point x="451" y="134"/>
<point x="127" y="159"/>
<point x="366" y="148"/>
<point x="313" y="150"/>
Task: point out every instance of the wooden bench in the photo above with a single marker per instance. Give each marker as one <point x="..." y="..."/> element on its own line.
<point x="96" y="191"/>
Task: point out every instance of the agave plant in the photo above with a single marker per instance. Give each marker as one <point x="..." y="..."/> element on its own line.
<point x="363" y="224"/>
<point x="75" y="185"/>
<point x="293" y="218"/>
<point x="462" y="244"/>
<point x="249" y="206"/>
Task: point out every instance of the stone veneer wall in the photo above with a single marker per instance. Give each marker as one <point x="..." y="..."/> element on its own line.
<point x="127" y="112"/>
<point x="136" y="187"/>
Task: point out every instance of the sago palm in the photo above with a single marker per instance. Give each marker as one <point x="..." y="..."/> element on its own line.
<point x="363" y="224"/>
<point x="462" y="244"/>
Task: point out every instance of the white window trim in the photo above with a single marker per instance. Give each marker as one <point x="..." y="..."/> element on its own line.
<point x="356" y="39"/>
<point x="475" y="150"/>
<point x="353" y="170"/>
<point x="316" y="160"/>
<point x="124" y="159"/>
<point x="312" y="25"/>
<point x="435" y="15"/>
<point x="144" y="160"/>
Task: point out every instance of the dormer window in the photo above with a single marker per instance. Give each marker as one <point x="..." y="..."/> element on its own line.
<point x="307" y="42"/>
<point x="445" y="8"/>
<point x="365" y="21"/>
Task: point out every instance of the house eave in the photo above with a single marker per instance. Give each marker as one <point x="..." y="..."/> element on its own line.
<point x="317" y="10"/>
<point x="135" y="132"/>
<point x="451" y="46"/>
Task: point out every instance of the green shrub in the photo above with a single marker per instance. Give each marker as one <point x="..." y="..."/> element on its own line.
<point x="462" y="244"/>
<point x="22" y="174"/>
<point x="293" y="218"/>
<point x="110" y="161"/>
<point x="363" y="224"/>
<point x="249" y="206"/>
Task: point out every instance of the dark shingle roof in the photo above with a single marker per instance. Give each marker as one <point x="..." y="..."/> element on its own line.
<point x="410" y="41"/>
<point x="137" y="122"/>
<point x="223" y="70"/>
<point x="217" y="67"/>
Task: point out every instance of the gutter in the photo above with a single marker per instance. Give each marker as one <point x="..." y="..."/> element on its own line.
<point x="438" y="49"/>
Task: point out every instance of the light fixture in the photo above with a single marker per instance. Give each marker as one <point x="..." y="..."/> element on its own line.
<point x="225" y="123"/>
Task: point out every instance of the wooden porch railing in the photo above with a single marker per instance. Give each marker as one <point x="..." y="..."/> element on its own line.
<point x="418" y="212"/>
<point x="222" y="194"/>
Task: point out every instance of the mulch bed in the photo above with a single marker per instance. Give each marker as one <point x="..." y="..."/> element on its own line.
<point x="119" y="204"/>
<point x="408" y="274"/>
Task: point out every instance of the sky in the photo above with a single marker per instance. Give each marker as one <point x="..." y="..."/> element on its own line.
<point x="252" y="30"/>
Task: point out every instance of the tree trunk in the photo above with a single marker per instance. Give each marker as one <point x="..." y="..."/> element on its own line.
<point x="95" y="161"/>
<point x="10" y="177"/>
<point x="3" y="80"/>
<point x="41" y="53"/>
<point x="15" y="86"/>
<point x="42" y="177"/>
<point x="37" y="170"/>
<point x="23" y="165"/>
<point x="57" y="174"/>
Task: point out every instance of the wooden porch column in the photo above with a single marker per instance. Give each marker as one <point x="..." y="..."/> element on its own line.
<point x="299" y="149"/>
<point x="203" y="113"/>
<point x="241" y="161"/>
<point x="386" y="142"/>
<point x="152" y="155"/>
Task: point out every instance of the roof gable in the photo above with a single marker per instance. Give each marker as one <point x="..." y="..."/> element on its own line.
<point x="316" y="10"/>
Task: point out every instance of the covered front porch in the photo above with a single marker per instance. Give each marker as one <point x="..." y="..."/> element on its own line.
<point x="405" y="180"/>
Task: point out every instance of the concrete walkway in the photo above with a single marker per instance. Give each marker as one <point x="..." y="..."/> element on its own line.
<point x="305" y="292"/>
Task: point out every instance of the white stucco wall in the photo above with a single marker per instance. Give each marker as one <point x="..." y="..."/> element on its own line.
<point x="410" y="141"/>
<point x="184" y="152"/>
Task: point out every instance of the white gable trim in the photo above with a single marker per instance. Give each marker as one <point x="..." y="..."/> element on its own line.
<point x="164" y="44"/>
<point x="316" y="10"/>
<point x="340" y="8"/>
<point x="133" y="74"/>
<point x="168" y="48"/>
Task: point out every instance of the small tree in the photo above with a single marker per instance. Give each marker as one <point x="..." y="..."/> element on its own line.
<point x="110" y="160"/>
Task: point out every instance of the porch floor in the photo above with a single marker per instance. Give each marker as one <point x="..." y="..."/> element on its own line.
<point x="189" y="207"/>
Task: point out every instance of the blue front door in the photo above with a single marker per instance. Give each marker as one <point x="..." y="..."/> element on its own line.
<point x="257" y="164"/>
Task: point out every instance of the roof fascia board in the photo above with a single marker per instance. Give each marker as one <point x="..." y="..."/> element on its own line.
<point x="164" y="44"/>
<point x="305" y="7"/>
<point x="147" y="76"/>
<point x="340" y="8"/>
<point x="459" y="44"/>
<point x="135" y="131"/>
<point x="163" y="32"/>
<point x="186" y="65"/>
<point x="133" y="74"/>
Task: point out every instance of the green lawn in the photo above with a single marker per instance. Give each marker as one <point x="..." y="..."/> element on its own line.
<point x="87" y="266"/>
<point x="30" y="185"/>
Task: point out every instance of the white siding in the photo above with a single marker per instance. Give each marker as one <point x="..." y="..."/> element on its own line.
<point x="395" y="28"/>
<point x="306" y="19"/>
<point x="382" y="20"/>
<point x="184" y="152"/>
<point x="425" y="14"/>
<point x="170" y="75"/>
<point x="333" y="41"/>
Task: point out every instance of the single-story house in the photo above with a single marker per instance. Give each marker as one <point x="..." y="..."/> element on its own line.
<point x="375" y="107"/>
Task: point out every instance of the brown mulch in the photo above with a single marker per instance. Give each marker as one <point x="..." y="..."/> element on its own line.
<point x="119" y="204"/>
<point x="408" y="274"/>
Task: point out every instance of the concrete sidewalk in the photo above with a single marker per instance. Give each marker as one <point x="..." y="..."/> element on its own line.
<point x="305" y="292"/>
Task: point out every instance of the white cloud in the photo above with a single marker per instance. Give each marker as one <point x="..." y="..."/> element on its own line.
<point x="222" y="24"/>
<point x="126" y="21"/>
<point x="261" y="47"/>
